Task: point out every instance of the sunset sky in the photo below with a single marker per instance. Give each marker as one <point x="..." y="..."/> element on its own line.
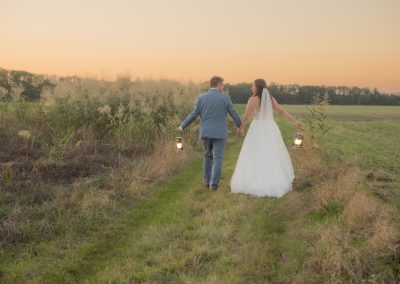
<point x="330" y="42"/>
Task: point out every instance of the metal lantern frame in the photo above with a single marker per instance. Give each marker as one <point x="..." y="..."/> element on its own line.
<point x="179" y="144"/>
<point x="299" y="140"/>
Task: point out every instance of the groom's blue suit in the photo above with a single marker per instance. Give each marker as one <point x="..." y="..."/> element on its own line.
<point x="213" y="107"/>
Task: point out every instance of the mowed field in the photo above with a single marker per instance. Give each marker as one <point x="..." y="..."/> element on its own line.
<point x="340" y="224"/>
<point x="367" y="137"/>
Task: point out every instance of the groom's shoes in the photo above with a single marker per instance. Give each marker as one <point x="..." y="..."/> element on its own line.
<point x="212" y="188"/>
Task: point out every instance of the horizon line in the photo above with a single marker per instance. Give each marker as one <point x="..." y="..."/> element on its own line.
<point x="127" y="74"/>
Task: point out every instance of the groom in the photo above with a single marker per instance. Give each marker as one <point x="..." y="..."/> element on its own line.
<point x="213" y="107"/>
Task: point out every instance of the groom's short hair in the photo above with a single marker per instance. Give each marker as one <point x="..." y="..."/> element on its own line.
<point x="215" y="80"/>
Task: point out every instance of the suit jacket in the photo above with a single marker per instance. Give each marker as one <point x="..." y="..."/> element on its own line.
<point x="212" y="107"/>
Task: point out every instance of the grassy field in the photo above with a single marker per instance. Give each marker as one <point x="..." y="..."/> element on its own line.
<point x="340" y="224"/>
<point x="367" y="137"/>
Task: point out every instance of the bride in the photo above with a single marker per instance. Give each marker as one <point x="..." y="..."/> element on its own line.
<point x="264" y="167"/>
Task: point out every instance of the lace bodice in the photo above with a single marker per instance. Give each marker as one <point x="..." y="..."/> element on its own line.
<point x="256" y="113"/>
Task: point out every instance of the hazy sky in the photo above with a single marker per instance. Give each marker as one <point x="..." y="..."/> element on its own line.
<point x="331" y="42"/>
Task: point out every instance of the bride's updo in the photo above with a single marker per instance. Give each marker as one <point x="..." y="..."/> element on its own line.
<point x="260" y="84"/>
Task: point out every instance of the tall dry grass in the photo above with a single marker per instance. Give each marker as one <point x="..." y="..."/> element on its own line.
<point x="86" y="151"/>
<point x="355" y="236"/>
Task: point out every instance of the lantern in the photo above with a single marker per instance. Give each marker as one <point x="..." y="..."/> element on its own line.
<point x="179" y="144"/>
<point x="298" y="141"/>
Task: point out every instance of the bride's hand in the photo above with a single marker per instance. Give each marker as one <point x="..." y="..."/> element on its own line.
<point x="240" y="132"/>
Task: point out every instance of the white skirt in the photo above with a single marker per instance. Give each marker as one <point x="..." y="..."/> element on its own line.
<point x="264" y="167"/>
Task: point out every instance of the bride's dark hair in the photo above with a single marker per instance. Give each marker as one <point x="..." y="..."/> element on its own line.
<point x="260" y="85"/>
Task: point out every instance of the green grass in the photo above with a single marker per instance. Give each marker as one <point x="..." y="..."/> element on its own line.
<point x="183" y="233"/>
<point x="366" y="136"/>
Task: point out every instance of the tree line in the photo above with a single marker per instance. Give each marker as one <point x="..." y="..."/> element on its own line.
<point x="25" y="86"/>
<point x="22" y="85"/>
<point x="296" y="94"/>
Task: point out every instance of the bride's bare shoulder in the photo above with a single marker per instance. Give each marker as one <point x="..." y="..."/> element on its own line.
<point x="253" y="100"/>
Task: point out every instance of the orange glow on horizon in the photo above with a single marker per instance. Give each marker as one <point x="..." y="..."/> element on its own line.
<point x="354" y="43"/>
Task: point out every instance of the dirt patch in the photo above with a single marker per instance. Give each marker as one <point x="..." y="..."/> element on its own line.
<point x="10" y="154"/>
<point x="300" y="184"/>
<point x="378" y="176"/>
<point x="64" y="171"/>
<point x="384" y="191"/>
<point x="21" y="172"/>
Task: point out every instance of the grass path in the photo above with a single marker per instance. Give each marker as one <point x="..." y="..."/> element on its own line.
<point x="183" y="233"/>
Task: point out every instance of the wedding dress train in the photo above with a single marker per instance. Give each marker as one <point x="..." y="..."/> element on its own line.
<point x="264" y="167"/>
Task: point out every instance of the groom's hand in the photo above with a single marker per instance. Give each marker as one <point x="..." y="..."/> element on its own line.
<point x="238" y="132"/>
<point x="180" y="129"/>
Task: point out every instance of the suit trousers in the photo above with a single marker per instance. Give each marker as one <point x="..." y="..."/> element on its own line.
<point x="212" y="163"/>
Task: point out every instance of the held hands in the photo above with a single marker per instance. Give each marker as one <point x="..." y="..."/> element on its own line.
<point x="180" y="129"/>
<point x="240" y="132"/>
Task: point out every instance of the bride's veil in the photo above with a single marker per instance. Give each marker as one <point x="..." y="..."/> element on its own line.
<point x="266" y="112"/>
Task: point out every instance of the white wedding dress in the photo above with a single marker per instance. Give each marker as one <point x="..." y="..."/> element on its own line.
<point x="264" y="167"/>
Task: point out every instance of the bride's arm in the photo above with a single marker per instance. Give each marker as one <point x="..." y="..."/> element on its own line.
<point x="246" y="115"/>
<point x="283" y="112"/>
